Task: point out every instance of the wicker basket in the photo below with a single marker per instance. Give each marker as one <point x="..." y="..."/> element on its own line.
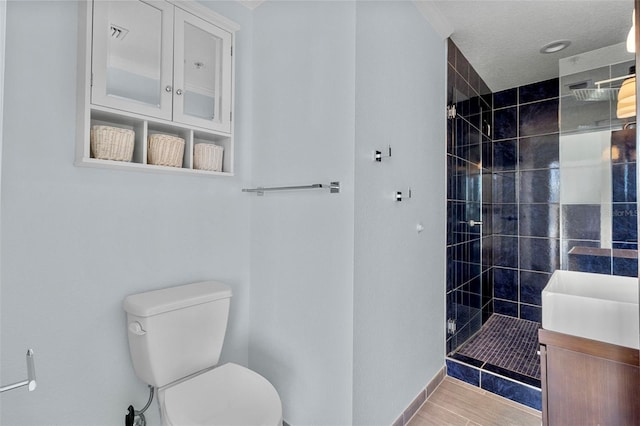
<point x="165" y="150"/>
<point x="207" y="156"/>
<point x="111" y="143"/>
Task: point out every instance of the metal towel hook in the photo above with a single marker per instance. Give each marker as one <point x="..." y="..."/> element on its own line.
<point x="31" y="376"/>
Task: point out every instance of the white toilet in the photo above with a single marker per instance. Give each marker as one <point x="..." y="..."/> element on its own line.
<point x="175" y="338"/>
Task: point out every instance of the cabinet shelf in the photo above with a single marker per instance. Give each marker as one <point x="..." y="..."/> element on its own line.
<point x="143" y="128"/>
<point x="196" y="28"/>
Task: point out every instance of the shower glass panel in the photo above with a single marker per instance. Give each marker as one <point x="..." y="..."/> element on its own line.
<point x="597" y="165"/>
<point x="468" y="163"/>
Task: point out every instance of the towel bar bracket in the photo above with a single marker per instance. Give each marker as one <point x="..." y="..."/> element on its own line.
<point x="31" y="376"/>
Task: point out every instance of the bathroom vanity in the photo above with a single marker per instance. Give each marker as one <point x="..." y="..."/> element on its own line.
<point x="589" y="357"/>
<point x="588" y="382"/>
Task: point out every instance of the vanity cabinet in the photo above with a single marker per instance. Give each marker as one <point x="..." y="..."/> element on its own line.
<point x="587" y="382"/>
<point x="156" y="67"/>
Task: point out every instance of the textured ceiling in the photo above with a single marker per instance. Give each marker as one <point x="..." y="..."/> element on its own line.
<point x="502" y="39"/>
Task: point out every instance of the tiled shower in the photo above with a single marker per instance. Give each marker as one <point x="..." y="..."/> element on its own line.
<point x="510" y="225"/>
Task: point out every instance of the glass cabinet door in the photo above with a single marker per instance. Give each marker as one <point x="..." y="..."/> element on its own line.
<point x="132" y="56"/>
<point x="202" y="73"/>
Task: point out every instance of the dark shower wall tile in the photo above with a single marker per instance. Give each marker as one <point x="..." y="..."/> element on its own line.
<point x="475" y="251"/>
<point x="505" y="98"/>
<point x="505" y="219"/>
<point x="487" y="288"/>
<point x="475" y="288"/>
<point x="487" y="154"/>
<point x="512" y="390"/>
<point x="451" y="270"/>
<point x="624" y="266"/>
<point x="505" y="155"/>
<point x="531" y="286"/>
<point x="474" y="79"/>
<point x="471" y="152"/>
<point x="625" y="246"/>
<point x="460" y="179"/>
<point x="539" y="254"/>
<point x="504" y="307"/>
<point x="539" y="91"/>
<point x="462" y="133"/>
<point x="625" y="222"/>
<point x="451" y="76"/>
<point x="487" y="252"/>
<point x="539" y="186"/>
<point x="538" y="118"/>
<point x="453" y="227"/>
<point x="505" y="251"/>
<point x="505" y="284"/>
<point x="487" y="121"/>
<point x="451" y="177"/>
<point x="451" y="136"/>
<point x="623" y="179"/>
<point x="531" y="313"/>
<point x="451" y="53"/>
<point x="539" y="220"/>
<point x="581" y="222"/>
<point x="623" y="146"/>
<point x="462" y="93"/>
<point x="504" y="187"/>
<point x="539" y="152"/>
<point x="462" y="64"/>
<point x="487" y="219"/>
<point x="505" y="123"/>
<point x="463" y="372"/>
<point x="590" y="263"/>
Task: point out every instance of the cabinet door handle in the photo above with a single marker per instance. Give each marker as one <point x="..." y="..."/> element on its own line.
<point x="179" y="92"/>
<point x="168" y="89"/>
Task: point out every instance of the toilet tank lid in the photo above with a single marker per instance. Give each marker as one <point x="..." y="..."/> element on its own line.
<point x="170" y="299"/>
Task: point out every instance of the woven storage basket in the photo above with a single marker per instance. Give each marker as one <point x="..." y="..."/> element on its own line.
<point x="111" y="143"/>
<point x="207" y="156"/>
<point x="165" y="150"/>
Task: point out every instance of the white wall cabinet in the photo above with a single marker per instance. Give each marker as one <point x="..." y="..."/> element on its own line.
<point x="156" y="67"/>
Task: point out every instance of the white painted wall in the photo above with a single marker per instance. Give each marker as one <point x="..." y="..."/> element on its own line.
<point x="320" y="85"/>
<point x="76" y="241"/>
<point x="302" y="242"/>
<point x="399" y="273"/>
<point x="345" y="79"/>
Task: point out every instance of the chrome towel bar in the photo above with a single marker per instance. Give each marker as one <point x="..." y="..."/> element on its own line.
<point x="31" y="376"/>
<point x="333" y="187"/>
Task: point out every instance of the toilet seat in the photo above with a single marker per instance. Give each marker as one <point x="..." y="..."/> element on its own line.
<point x="227" y="395"/>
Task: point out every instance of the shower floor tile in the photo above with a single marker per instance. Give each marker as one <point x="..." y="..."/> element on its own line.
<point x="506" y="346"/>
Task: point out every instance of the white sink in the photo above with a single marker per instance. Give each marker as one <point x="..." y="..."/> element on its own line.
<point x="594" y="306"/>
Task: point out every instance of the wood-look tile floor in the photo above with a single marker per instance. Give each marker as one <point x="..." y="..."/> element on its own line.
<point x="460" y="404"/>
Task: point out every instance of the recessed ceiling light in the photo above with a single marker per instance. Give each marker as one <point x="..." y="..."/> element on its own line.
<point x="555" y="46"/>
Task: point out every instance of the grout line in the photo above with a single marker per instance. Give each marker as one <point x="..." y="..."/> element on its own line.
<point x="452" y="412"/>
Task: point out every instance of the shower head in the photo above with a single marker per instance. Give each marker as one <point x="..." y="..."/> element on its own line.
<point x="595" y="95"/>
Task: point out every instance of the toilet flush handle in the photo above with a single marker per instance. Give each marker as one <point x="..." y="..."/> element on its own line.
<point x="136" y="328"/>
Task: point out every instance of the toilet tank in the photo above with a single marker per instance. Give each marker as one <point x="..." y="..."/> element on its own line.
<point x="176" y="331"/>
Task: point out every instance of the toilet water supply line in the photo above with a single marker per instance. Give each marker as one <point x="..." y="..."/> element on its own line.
<point x="134" y="417"/>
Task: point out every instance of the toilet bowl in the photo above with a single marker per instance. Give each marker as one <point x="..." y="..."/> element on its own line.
<point x="229" y="395"/>
<point x="175" y="339"/>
